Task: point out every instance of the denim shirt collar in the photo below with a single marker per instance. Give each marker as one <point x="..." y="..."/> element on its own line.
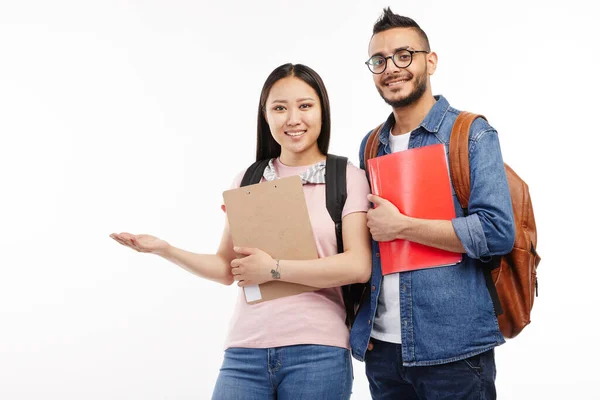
<point x="431" y="123"/>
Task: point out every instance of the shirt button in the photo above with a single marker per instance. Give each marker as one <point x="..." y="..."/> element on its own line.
<point x="403" y="288"/>
<point x="373" y="288"/>
<point x="377" y="255"/>
<point x="369" y="322"/>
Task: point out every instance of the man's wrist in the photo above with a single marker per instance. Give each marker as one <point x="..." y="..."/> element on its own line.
<point x="405" y="226"/>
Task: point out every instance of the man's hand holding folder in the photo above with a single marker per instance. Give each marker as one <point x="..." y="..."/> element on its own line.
<point x="385" y="221"/>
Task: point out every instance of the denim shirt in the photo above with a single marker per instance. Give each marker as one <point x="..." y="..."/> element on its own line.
<point x="446" y="313"/>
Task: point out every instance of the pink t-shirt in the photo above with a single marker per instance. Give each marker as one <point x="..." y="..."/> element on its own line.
<point x="308" y="318"/>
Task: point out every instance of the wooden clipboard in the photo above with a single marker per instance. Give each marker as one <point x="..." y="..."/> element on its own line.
<point x="273" y="217"/>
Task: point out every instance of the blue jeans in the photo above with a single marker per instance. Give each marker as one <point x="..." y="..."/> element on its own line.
<point x="285" y="373"/>
<point x="471" y="378"/>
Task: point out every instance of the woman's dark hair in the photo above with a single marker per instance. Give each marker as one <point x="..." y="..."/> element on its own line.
<point x="389" y="20"/>
<point x="266" y="146"/>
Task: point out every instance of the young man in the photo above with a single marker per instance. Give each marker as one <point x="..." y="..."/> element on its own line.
<point x="430" y="334"/>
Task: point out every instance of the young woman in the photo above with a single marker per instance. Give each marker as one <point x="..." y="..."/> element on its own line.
<point x="294" y="347"/>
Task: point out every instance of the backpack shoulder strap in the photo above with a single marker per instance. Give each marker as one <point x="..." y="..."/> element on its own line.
<point x="460" y="172"/>
<point x="254" y="173"/>
<point x="372" y="146"/>
<point x="459" y="156"/>
<point x="336" y="193"/>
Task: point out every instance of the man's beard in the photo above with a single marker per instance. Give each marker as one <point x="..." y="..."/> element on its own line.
<point x="413" y="97"/>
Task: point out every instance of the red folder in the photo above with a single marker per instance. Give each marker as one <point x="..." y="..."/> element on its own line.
<point x="417" y="182"/>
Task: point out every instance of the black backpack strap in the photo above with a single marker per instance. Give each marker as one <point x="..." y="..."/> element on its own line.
<point x="254" y="173"/>
<point x="336" y="193"/>
<point x="489" y="282"/>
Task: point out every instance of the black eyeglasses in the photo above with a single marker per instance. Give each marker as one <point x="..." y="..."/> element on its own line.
<point x="401" y="59"/>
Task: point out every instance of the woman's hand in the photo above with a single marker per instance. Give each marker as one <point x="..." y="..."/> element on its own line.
<point x="141" y="243"/>
<point x="253" y="269"/>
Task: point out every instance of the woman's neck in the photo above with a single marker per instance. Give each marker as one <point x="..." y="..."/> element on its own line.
<point x="300" y="159"/>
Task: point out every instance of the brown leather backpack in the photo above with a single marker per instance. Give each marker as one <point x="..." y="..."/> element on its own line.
<point x="512" y="280"/>
<point x="515" y="278"/>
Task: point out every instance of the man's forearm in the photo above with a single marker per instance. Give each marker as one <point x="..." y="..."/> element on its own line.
<point x="435" y="233"/>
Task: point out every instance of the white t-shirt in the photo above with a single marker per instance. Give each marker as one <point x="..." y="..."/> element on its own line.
<point x="386" y="326"/>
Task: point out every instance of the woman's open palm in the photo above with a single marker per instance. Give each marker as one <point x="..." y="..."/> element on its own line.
<point x="141" y="243"/>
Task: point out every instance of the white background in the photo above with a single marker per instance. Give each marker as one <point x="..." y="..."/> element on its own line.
<point x="136" y="115"/>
